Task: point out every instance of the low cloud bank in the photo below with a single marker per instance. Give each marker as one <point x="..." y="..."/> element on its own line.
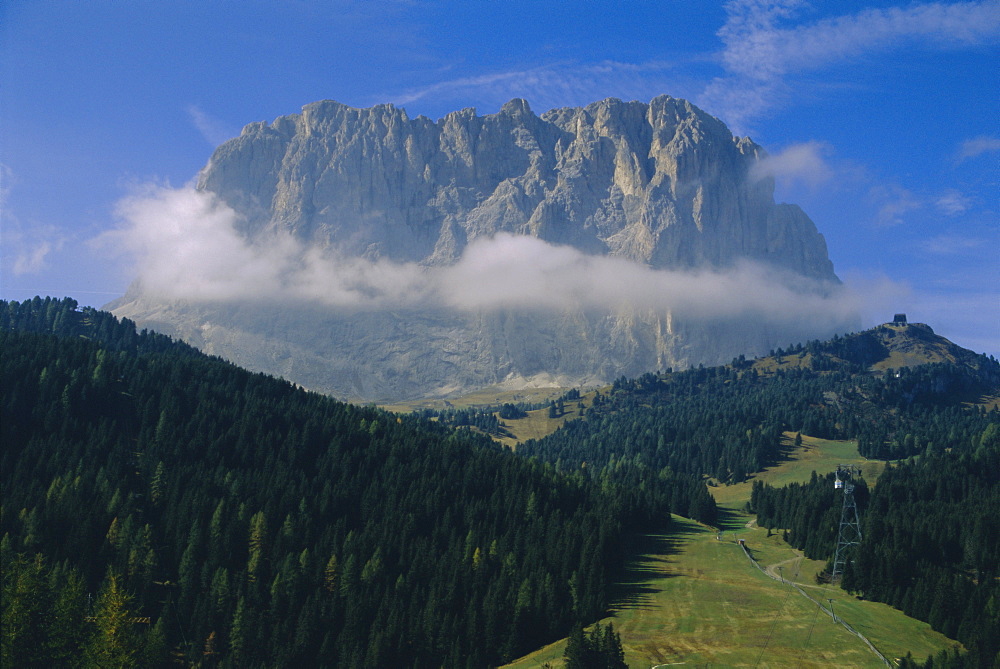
<point x="186" y="247"/>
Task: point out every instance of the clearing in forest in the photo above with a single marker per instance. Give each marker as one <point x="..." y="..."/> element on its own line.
<point x="797" y="464"/>
<point x="692" y="599"/>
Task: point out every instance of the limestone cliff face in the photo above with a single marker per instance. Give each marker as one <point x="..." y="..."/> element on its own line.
<point x="662" y="183"/>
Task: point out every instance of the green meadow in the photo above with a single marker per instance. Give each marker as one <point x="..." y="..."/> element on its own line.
<point x="798" y="464"/>
<point x="692" y="598"/>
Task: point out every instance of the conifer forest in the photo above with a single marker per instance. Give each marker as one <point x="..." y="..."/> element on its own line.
<point x="162" y="507"/>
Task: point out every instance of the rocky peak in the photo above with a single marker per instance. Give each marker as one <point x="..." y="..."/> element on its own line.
<point x="663" y="183"/>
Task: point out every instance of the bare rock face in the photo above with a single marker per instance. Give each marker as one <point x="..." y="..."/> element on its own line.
<point x="663" y="184"/>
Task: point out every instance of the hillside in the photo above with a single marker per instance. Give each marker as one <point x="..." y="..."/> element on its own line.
<point x="244" y="521"/>
<point x="872" y="386"/>
<point x="896" y="391"/>
<point x="929" y="537"/>
<point x="890" y="346"/>
<point x="700" y="602"/>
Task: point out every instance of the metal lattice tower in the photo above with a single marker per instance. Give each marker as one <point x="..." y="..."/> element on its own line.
<point x="850" y="526"/>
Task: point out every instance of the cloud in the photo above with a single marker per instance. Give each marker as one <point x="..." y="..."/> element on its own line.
<point x="26" y="247"/>
<point x="762" y="47"/>
<point x="978" y="146"/>
<point x="765" y="44"/>
<point x="31" y="259"/>
<point x="953" y="203"/>
<point x="800" y="163"/>
<point x="552" y="85"/>
<point x="212" y="129"/>
<point x="186" y="247"/>
<point x="510" y="271"/>
<point x="951" y="244"/>
<point x="758" y="48"/>
<point x="892" y="202"/>
<point x="6" y="179"/>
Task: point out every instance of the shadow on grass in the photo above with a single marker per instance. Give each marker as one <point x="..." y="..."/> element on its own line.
<point x="729" y="519"/>
<point x="649" y="563"/>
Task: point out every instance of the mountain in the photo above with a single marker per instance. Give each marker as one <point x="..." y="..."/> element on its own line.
<point x="663" y="183"/>
<point x="661" y="186"/>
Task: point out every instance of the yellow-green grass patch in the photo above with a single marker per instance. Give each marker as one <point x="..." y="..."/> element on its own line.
<point x="893" y="633"/>
<point x="535" y="425"/>
<point x="797" y="466"/>
<point x="691" y="598"/>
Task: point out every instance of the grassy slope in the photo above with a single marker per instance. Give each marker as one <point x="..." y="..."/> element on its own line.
<point x="535" y="426"/>
<point x="538" y="424"/>
<point x="819" y="455"/>
<point x="490" y="396"/>
<point x="694" y="599"/>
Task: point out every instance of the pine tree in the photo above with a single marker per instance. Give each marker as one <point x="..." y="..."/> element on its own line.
<point x="68" y="629"/>
<point x="258" y="534"/>
<point x="611" y="649"/>
<point x="576" y="656"/>
<point x="158" y="483"/>
<point x="330" y="574"/>
<point x="26" y="603"/>
<point x="114" y="642"/>
<point x="238" y="634"/>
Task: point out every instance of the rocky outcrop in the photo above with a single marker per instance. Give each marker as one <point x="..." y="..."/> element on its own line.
<point x="663" y="184"/>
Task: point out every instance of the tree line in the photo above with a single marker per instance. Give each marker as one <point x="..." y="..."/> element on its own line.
<point x="727" y="422"/>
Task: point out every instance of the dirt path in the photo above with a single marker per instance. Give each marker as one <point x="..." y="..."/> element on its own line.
<point x="790" y="567"/>
<point x="770" y="572"/>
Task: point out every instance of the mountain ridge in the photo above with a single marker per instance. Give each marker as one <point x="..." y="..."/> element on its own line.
<point x="467" y="175"/>
<point x="884" y="347"/>
<point x="362" y="201"/>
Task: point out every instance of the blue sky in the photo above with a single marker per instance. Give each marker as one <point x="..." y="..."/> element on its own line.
<point x="883" y="119"/>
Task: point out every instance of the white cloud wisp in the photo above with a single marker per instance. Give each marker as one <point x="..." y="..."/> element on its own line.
<point x="800" y="163"/>
<point x="553" y="85"/>
<point x="186" y="247"/>
<point x="212" y="129"/>
<point x="763" y="47"/>
<point x="978" y="146"/>
<point x="26" y="247"/>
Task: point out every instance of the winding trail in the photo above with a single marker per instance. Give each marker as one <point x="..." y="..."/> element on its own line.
<point x="768" y="571"/>
<point x="772" y="569"/>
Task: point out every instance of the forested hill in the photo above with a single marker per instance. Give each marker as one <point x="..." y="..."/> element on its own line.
<point x="931" y="530"/>
<point x="726" y="422"/>
<point x="887" y="346"/>
<point x="159" y="505"/>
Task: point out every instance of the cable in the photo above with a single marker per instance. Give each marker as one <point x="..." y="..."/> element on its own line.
<point x="815" y="618"/>
<point x="773" y="624"/>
